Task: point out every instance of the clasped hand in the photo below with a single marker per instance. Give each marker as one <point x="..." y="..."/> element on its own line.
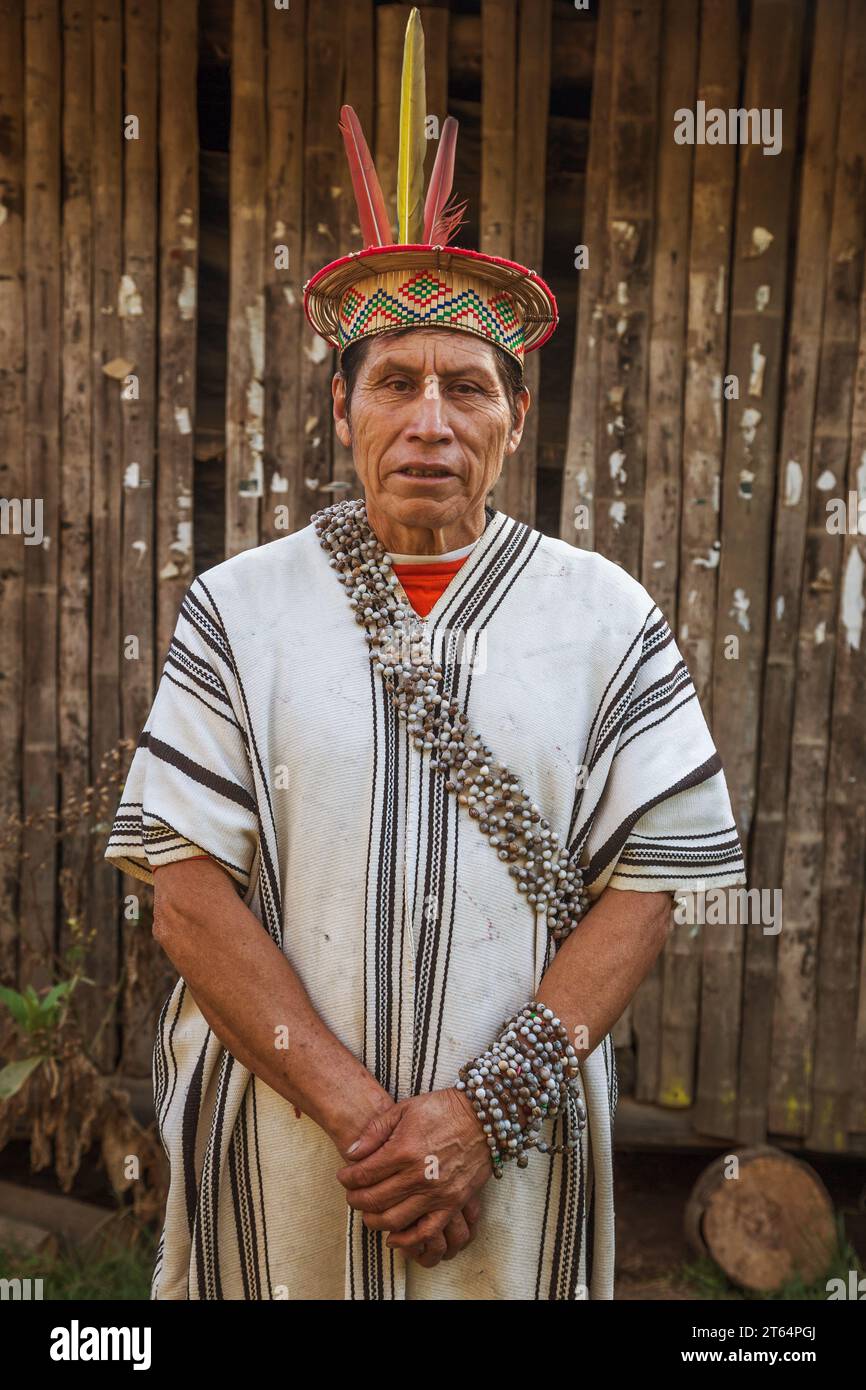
<point x="416" y="1171"/>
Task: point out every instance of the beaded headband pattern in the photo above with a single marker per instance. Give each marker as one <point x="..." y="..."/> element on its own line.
<point x="421" y="280"/>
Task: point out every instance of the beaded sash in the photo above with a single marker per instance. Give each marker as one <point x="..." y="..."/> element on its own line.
<point x="543" y="869"/>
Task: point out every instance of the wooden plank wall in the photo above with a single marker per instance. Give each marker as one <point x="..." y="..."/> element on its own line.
<point x="704" y="399"/>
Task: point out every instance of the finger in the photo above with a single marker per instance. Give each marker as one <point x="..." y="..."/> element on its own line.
<point x="384" y="1196"/>
<point x="457" y="1235"/>
<point x="375" y="1133"/>
<point x="434" y="1251"/>
<point x="472" y="1212"/>
<point x="411" y="1227"/>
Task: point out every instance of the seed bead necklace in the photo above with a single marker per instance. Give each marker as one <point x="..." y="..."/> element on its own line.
<point x="543" y="869"/>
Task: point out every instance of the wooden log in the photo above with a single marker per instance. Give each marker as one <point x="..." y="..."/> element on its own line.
<point x="75" y="483"/>
<point x="515" y="492"/>
<point x="498" y="84"/>
<point x="857" y="1109"/>
<point x="795" y="1003"/>
<point x="41" y="483"/>
<point x="766" y="1222"/>
<point x="245" y="368"/>
<point x="178" y="313"/>
<point x="833" y="1075"/>
<point x="12" y="472"/>
<point x="285" y="326"/>
<point x="577" y="514"/>
<point x="107" y="485"/>
<point x="789" y="541"/>
<point x="621" y="437"/>
<point x="137" y="306"/>
<point x="758" y="287"/>
<point x="323" y="153"/>
<point x="660" y="558"/>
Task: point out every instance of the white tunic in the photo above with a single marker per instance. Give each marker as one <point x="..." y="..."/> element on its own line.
<point x="272" y="747"/>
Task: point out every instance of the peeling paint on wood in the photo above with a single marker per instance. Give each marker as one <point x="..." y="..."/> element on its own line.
<point x="793" y="483"/>
<point x="853" y="601"/>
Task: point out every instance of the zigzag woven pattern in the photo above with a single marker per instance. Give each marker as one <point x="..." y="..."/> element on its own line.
<point x="431" y="298"/>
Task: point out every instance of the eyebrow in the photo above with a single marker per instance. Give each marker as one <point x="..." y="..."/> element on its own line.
<point x="393" y="364"/>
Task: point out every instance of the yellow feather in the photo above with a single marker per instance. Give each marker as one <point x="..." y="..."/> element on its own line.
<point x="413" y="142"/>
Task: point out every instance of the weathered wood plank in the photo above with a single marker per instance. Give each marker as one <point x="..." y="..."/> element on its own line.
<point x="75" y="484"/>
<point x="660" y="559"/>
<point x="178" y="311"/>
<point x="42" y="471"/>
<point x="107" y="485"/>
<point x="757" y="305"/>
<point x="285" y="326"/>
<point x="12" y="471"/>
<point x="323" y="154"/>
<point x="802" y="942"/>
<point x="805" y="324"/>
<point x="498" y="84"/>
<point x="137" y="304"/>
<point x="577" y="515"/>
<point x="246" y="330"/>
<point x="621" y="428"/>
<point x="515" y="492"/>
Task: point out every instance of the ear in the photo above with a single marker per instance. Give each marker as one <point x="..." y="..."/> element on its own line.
<point x="523" y="402"/>
<point x="341" y="421"/>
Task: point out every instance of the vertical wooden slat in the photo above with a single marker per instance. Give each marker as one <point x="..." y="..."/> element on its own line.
<point x="660" y="559"/>
<point x="73" y="673"/>
<point x="107" y="480"/>
<point x="284" y="316"/>
<point x="323" y="154"/>
<point x="707" y="257"/>
<point x="359" y="41"/>
<point x="498" y="85"/>
<point x="757" y="317"/>
<point x="706" y="348"/>
<point x="178" y="268"/>
<point x="794" y="1012"/>
<point x="582" y="451"/>
<point x="12" y="471"/>
<point x="246" y="330"/>
<point x="621" y="438"/>
<point x="434" y="20"/>
<point x="793" y="488"/>
<point x="42" y="465"/>
<point x="515" y="491"/>
<point x="138" y="313"/>
<point x="391" y="23"/>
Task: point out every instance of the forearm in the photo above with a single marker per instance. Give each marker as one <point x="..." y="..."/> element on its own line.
<point x="600" y="965"/>
<point x="255" y="1002"/>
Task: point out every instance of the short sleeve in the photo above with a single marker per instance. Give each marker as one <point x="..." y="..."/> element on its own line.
<point x="660" y="812"/>
<point x="189" y="790"/>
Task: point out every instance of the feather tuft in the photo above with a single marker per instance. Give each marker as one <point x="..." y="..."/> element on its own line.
<point x="446" y="224"/>
<point x="372" y="210"/>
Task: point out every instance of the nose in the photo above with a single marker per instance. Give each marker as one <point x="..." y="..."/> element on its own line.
<point x="429" y="422"/>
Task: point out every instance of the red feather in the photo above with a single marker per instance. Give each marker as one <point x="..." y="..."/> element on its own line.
<point x="446" y="224"/>
<point x="441" y="179"/>
<point x="372" y="213"/>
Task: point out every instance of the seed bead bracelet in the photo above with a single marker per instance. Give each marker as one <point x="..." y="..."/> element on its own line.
<point x="532" y="1065"/>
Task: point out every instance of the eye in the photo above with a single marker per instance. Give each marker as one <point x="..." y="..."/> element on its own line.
<point x="466" y="387"/>
<point x="400" y="384"/>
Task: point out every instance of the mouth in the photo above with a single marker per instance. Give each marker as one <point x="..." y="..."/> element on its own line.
<point x="424" y="473"/>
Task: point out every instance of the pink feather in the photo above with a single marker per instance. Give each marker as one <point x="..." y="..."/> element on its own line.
<point x="372" y="212"/>
<point x="446" y="224"/>
<point x="437" y="217"/>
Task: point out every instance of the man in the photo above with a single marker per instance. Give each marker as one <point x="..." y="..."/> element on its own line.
<point x="419" y="805"/>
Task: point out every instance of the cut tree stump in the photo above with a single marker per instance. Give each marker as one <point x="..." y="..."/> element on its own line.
<point x="772" y="1223"/>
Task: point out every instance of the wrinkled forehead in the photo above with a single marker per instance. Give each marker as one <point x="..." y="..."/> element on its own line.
<point x="431" y="351"/>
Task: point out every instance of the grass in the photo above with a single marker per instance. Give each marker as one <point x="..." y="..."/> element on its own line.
<point x="705" y="1280"/>
<point x="120" y="1273"/>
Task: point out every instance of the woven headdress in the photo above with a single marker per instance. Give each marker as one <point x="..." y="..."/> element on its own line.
<point x="420" y="280"/>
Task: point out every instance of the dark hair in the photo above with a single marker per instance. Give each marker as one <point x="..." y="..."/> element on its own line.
<point x="509" y="370"/>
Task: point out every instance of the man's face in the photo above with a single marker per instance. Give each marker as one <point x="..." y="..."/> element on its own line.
<point x="430" y="428"/>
